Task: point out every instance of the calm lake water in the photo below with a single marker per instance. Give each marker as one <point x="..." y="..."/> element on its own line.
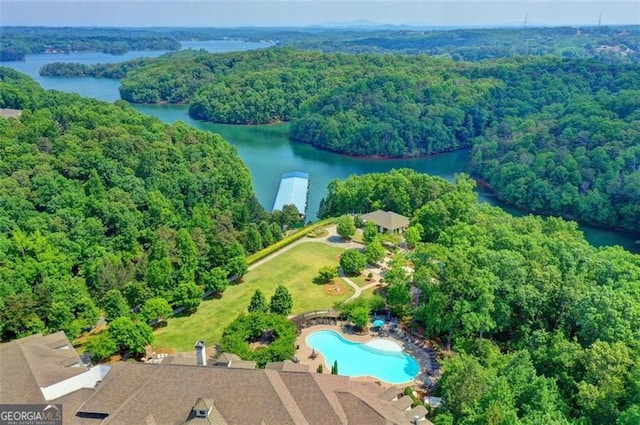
<point x="267" y="150"/>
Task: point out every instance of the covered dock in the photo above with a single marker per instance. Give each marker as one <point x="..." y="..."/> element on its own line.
<point x="294" y="189"/>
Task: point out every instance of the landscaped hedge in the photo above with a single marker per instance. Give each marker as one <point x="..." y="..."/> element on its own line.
<point x="287" y="240"/>
<point x="250" y="327"/>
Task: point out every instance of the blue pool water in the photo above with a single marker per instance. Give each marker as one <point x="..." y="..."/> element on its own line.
<point x="379" y="358"/>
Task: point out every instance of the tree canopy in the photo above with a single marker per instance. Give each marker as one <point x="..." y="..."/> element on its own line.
<point x="103" y="206"/>
<point x="541" y="322"/>
<point x="551" y="134"/>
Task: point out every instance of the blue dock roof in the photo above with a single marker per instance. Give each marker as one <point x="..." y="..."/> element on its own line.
<point x="293" y="190"/>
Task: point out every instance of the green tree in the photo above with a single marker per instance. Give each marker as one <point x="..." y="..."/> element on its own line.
<point x="156" y="310"/>
<point x="252" y="239"/>
<point x="136" y="293"/>
<point x="377" y="303"/>
<point x="129" y="335"/>
<point x="59" y="317"/>
<point x="159" y="275"/>
<point x="359" y="316"/>
<point x="276" y="231"/>
<point x="290" y="216"/>
<point x="188" y="295"/>
<point x="214" y="280"/>
<point x="464" y="383"/>
<point x="17" y="317"/>
<point x="604" y="386"/>
<point x="101" y="346"/>
<point x="266" y="233"/>
<point x="334" y="368"/>
<point x="370" y="231"/>
<point x="374" y="251"/>
<point x="115" y="305"/>
<point x="352" y="262"/>
<point x="413" y="235"/>
<point x="327" y="273"/>
<point x="258" y="303"/>
<point x="398" y="298"/>
<point x="281" y="301"/>
<point x="187" y="256"/>
<point x="236" y="267"/>
<point x="345" y="227"/>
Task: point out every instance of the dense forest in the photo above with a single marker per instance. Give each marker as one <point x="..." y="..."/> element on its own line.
<point x="603" y="43"/>
<point x="15" y="42"/>
<point x="550" y="135"/>
<point x="543" y="325"/>
<point x="103" y="208"/>
<point x="620" y="44"/>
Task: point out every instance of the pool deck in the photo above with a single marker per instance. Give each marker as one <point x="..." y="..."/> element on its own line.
<point x="304" y="353"/>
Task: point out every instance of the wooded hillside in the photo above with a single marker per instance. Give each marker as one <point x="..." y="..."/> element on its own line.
<point x="97" y="198"/>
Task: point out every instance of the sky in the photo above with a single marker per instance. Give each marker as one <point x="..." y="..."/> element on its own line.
<point x="233" y="13"/>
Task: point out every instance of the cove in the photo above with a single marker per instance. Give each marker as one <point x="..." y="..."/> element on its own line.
<point x="268" y="153"/>
<point x="267" y="150"/>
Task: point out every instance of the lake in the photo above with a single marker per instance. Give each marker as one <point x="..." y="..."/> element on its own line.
<point x="267" y="150"/>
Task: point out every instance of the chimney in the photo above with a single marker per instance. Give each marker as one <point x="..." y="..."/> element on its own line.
<point x="201" y="353"/>
<point x="416" y="419"/>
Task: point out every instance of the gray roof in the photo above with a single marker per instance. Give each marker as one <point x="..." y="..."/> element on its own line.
<point x="230" y="360"/>
<point x="10" y="113"/>
<point x="213" y="417"/>
<point x="387" y="219"/>
<point x="34" y="362"/>
<point x="167" y="393"/>
<point x="287" y="366"/>
<point x="293" y="191"/>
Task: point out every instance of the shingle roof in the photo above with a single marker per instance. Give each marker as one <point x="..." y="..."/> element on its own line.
<point x="151" y="394"/>
<point x="387" y="219"/>
<point x="288" y="366"/>
<point x="358" y="412"/>
<point x="309" y="396"/>
<point x="34" y="362"/>
<point x="213" y="416"/>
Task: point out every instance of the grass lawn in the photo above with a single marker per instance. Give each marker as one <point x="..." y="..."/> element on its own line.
<point x="295" y="269"/>
<point x="361" y="279"/>
<point x="370" y="292"/>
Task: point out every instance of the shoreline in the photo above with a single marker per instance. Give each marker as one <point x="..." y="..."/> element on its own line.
<point x="483" y="184"/>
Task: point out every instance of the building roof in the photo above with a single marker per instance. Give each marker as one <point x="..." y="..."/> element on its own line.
<point x="229" y="360"/>
<point x="36" y="362"/>
<point x="10" y="113"/>
<point x="171" y="393"/>
<point x="293" y="190"/>
<point x="287" y="366"/>
<point x="387" y="219"/>
<point x="212" y="415"/>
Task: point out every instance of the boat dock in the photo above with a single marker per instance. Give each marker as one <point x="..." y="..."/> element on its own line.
<point x="293" y="189"/>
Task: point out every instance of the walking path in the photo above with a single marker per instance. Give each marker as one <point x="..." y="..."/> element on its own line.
<point x="332" y="239"/>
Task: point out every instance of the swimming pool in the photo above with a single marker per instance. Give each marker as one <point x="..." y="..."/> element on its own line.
<point x="380" y="358"/>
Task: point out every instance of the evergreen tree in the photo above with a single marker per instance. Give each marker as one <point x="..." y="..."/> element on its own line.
<point x="258" y="303"/>
<point x="281" y="301"/>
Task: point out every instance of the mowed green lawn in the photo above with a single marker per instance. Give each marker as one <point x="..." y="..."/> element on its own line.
<point x="295" y="269"/>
